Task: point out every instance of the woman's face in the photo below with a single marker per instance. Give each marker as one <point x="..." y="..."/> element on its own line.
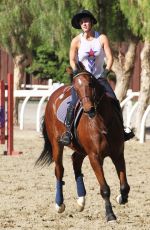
<point x="86" y="24"/>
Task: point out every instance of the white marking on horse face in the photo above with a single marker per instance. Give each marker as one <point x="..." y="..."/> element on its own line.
<point x="61" y="96"/>
<point x="79" y="81"/>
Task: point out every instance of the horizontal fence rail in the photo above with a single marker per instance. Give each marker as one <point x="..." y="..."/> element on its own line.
<point x="34" y="93"/>
<point x="42" y="94"/>
<point x="127" y="102"/>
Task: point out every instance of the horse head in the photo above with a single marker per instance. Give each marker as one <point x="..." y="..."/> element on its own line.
<point x="82" y="83"/>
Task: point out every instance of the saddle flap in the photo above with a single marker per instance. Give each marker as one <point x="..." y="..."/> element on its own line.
<point x="62" y="109"/>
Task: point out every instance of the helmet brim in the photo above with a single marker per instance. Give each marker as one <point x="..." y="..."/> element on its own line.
<point x="77" y="17"/>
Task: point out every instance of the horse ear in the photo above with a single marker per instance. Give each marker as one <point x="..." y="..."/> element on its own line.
<point x="69" y="70"/>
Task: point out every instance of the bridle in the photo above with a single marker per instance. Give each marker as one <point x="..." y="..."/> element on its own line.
<point x="86" y="97"/>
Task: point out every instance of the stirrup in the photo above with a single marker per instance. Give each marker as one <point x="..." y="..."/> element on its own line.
<point x="66" y="138"/>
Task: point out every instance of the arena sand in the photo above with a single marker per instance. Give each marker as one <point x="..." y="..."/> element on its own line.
<point x="27" y="193"/>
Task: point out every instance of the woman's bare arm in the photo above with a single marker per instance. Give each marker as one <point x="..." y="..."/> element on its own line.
<point x="105" y="43"/>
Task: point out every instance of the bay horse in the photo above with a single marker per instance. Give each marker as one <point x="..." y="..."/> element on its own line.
<point x="99" y="133"/>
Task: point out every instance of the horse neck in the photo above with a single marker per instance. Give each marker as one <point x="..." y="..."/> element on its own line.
<point x="103" y="104"/>
<point x="90" y="133"/>
<point x="99" y="93"/>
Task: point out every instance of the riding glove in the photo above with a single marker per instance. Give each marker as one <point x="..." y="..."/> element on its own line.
<point x="105" y="73"/>
<point x="75" y="72"/>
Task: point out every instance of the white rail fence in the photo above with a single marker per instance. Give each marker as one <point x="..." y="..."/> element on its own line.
<point x="131" y="111"/>
<point x="41" y="92"/>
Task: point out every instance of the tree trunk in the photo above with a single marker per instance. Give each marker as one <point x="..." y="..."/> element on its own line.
<point x="102" y="15"/>
<point x="123" y="66"/>
<point x="144" y="96"/>
<point x="20" y="62"/>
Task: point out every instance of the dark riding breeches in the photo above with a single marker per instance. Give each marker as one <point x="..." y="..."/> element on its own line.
<point x="109" y="91"/>
<point x="107" y="88"/>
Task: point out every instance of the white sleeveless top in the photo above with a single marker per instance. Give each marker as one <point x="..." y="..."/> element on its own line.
<point x="92" y="55"/>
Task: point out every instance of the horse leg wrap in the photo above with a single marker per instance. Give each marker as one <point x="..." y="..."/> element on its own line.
<point x="105" y="192"/>
<point x="109" y="213"/>
<point x="80" y="186"/>
<point x="59" y="192"/>
<point x="124" y="190"/>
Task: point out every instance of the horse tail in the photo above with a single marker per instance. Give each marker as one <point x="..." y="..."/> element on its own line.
<point x="46" y="157"/>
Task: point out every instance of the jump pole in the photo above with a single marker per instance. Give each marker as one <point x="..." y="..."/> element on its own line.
<point x="2" y="112"/>
<point x="10" y="105"/>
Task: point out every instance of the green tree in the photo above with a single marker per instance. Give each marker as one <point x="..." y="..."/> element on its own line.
<point x="19" y="33"/>
<point x="137" y="13"/>
<point x="46" y="65"/>
<point x="113" y="23"/>
<point x="56" y="24"/>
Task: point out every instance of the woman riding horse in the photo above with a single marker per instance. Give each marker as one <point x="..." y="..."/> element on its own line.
<point x="97" y="124"/>
<point x="90" y="49"/>
<point x="96" y="137"/>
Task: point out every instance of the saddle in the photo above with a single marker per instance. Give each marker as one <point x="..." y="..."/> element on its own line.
<point x="62" y="111"/>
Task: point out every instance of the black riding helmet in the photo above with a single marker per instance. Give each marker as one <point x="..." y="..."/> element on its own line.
<point x="82" y="14"/>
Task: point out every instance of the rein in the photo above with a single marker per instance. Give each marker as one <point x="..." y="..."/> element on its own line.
<point x="84" y="72"/>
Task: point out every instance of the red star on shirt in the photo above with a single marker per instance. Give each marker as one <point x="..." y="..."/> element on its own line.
<point x="91" y="53"/>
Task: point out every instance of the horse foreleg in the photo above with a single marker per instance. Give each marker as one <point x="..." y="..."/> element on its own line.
<point x="97" y="166"/>
<point x="124" y="186"/>
<point x="59" y="172"/>
<point x="77" y="160"/>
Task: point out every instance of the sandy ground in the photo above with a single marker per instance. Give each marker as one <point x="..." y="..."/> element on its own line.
<point x="27" y="193"/>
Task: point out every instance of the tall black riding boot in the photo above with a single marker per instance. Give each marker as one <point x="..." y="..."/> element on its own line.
<point x="67" y="136"/>
<point x="128" y="133"/>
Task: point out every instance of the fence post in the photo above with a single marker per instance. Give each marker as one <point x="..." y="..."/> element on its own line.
<point x="2" y="112"/>
<point x="10" y="101"/>
<point x="10" y="125"/>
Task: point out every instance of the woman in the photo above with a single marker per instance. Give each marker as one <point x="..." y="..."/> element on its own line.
<point x="90" y="48"/>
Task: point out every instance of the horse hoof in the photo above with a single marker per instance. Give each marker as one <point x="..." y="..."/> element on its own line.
<point x="112" y="222"/>
<point x="119" y="199"/>
<point x="60" y="208"/>
<point x="81" y="203"/>
<point x="111" y="218"/>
